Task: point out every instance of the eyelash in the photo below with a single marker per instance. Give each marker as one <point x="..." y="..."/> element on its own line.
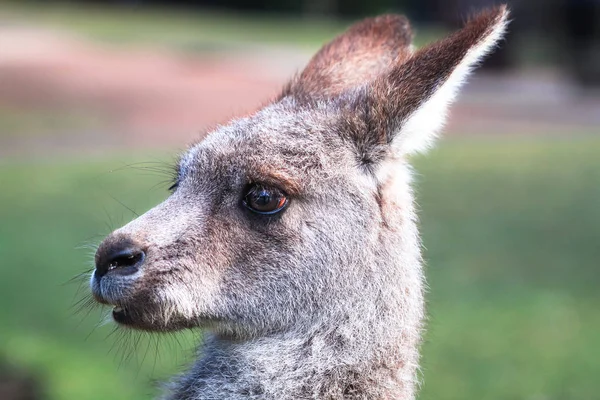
<point x="175" y="177"/>
<point x="173" y="187"/>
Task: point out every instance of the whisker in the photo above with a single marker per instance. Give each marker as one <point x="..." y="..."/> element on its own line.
<point x="111" y="333"/>
<point x="78" y="278"/>
<point x="124" y="205"/>
<point x="99" y="323"/>
<point x="110" y="224"/>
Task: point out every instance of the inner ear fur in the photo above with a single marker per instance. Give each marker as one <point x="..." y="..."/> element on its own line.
<point x="359" y="55"/>
<point x="407" y="104"/>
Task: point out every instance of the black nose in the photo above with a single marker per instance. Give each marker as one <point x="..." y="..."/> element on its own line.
<point x="118" y="256"/>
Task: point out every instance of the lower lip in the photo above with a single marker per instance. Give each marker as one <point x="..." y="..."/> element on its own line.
<point x="120" y="315"/>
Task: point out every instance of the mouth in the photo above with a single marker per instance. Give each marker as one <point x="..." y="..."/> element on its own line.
<point x="112" y="291"/>
<point x="121" y="315"/>
<point x="134" y="308"/>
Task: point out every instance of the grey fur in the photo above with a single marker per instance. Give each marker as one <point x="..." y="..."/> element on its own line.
<point x="325" y="299"/>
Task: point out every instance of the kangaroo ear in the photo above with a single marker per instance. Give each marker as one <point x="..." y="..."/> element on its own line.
<point x="354" y="58"/>
<point x="407" y="105"/>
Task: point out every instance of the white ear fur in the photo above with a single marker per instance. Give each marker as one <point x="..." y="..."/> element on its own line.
<point x="421" y="128"/>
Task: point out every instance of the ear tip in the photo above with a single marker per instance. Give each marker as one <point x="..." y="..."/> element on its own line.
<point x="494" y="16"/>
<point x="502" y="12"/>
<point x="398" y="20"/>
<point x="392" y="26"/>
<point x="490" y="22"/>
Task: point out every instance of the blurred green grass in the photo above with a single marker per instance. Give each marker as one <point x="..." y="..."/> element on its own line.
<point x="511" y="228"/>
<point x="189" y="30"/>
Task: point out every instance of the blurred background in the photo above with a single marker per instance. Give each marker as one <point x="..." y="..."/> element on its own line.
<point x="98" y="97"/>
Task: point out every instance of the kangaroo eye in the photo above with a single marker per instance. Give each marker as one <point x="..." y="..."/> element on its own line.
<point x="264" y="200"/>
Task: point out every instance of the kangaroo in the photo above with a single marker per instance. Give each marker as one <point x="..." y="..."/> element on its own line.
<point x="290" y="236"/>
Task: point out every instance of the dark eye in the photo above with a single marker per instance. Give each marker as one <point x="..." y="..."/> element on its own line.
<point x="264" y="200"/>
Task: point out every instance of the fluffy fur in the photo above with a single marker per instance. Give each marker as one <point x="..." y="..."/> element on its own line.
<point x="323" y="300"/>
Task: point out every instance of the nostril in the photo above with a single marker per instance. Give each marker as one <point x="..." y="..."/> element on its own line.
<point x="120" y="258"/>
<point x="126" y="258"/>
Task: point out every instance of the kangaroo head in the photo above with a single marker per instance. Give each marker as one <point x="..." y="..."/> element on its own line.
<point x="302" y="211"/>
